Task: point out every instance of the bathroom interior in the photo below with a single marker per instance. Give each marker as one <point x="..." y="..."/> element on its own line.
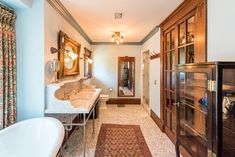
<point x="120" y="78"/>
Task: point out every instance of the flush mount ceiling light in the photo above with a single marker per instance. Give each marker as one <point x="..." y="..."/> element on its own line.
<point x="117" y="37"/>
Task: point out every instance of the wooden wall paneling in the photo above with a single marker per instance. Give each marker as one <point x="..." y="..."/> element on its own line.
<point x="200" y="33"/>
<point x="157" y="120"/>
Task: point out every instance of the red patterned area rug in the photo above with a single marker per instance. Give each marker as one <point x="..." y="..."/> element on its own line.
<point x="121" y="141"/>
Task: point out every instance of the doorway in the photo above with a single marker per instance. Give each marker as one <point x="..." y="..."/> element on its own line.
<point x="145" y="80"/>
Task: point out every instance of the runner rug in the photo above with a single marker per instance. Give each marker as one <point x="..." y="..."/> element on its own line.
<point x="121" y="141"/>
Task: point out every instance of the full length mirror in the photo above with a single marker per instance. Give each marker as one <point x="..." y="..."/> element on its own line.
<point x="126" y="76"/>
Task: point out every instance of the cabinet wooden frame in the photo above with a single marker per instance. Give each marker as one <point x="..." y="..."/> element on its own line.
<point x="219" y="142"/>
<point x="184" y="11"/>
<point x="208" y="70"/>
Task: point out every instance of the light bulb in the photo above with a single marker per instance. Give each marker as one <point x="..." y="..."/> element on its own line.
<point x="183" y="41"/>
<point x="89" y="60"/>
<point x="73" y="55"/>
<point x="192" y="39"/>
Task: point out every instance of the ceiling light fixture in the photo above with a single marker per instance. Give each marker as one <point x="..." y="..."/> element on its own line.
<point x="117" y="37"/>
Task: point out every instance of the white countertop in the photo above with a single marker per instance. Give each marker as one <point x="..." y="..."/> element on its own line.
<point x="82" y="102"/>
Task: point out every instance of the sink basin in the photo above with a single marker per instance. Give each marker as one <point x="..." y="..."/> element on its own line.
<point x="82" y="104"/>
<point x="86" y="94"/>
<point x="82" y="95"/>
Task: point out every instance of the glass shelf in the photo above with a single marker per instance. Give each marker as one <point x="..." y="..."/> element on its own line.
<point x="193" y="107"/>
<point x="193" y="110"/>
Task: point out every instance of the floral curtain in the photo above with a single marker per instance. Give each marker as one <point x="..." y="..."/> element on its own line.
<point x="7" y="67"/>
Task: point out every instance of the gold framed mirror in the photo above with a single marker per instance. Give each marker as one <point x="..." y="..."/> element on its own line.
<point x="69" y="56"/>
<point x="126" y="76"/>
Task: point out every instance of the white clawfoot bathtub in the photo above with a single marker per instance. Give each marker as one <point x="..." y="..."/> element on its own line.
<point x="38" y="137"/>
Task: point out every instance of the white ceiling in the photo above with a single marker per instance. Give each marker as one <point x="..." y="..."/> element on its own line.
<point x="96" y="17"/>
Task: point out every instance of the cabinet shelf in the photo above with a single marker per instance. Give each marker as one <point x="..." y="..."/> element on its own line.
<point x="228" y="87"/>
<point x="185" y="45"/>
<point x="192" y="129"/>
<point x="194" y="86"/>
<point x="229" y="125"/>
<point x="187" y="97"/>
<point x="191" y="106"/>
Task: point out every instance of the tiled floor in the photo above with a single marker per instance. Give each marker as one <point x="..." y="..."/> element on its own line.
<point x="158" y="142"/>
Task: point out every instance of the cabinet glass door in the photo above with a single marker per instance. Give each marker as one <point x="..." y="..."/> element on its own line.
<point x="186" y="41"/>
<point x="192" y="111"/>
<point x="169" y="81"/>
<point x="228" y="113"/>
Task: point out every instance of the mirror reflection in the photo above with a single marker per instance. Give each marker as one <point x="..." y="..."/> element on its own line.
<point x="126" y="76"/>
<point x="69" y="57"/>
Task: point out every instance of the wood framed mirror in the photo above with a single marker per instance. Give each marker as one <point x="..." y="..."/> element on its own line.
<point x="69" y="56"/>
<point x="87" y="63"/>
<point x="126" y="76"/>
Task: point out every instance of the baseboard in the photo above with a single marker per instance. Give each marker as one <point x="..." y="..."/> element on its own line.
<point x="157" y="120"/>
<point x="124" y="101"/>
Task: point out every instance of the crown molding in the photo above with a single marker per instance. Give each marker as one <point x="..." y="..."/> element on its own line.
<point x="113" y="43"/>
<point x="150" y="34"/>
<point x="60" y="8"/>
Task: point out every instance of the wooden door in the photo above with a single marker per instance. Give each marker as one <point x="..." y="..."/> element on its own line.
<point x="188" y="24"/>
<point x="169" y="83"/>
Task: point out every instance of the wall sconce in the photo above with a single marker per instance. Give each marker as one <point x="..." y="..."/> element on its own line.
<point x="69" y="53"/>
<point x="90" y="61"/>
<point x="55" y="66"/>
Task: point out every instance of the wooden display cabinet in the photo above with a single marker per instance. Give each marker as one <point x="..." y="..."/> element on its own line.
<point x="206" y="109"/>
<point x="183" y="41"/>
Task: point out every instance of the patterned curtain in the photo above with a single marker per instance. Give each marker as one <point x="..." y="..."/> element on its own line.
<point x="7" y="67"/>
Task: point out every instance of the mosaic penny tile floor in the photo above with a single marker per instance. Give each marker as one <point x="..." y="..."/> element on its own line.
<point x="121" y="140"/>
<point x="158" y="143"/>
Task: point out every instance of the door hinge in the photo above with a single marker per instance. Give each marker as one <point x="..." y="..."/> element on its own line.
<point x="211" y="85"/>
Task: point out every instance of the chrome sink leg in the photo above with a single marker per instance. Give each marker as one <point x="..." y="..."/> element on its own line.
<point x="93" y="121"/>
<point x="84" y="135"/>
